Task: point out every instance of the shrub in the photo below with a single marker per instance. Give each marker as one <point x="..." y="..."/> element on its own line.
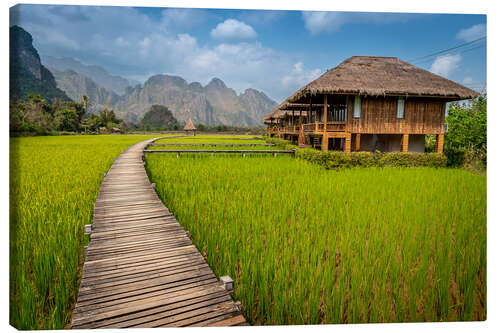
<point x="283" y="144"/>
<point x="397" y="159"/>
<point x="337" y="159"/>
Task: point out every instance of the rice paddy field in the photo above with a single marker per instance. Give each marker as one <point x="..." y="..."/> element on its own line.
<point x="54" y="182"/>
<point x="307" y="246"/>
<point x="303" y="244"/>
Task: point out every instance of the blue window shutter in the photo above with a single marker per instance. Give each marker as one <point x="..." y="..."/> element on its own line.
<point x="401" y="108"/>
<point x="357" y="106"/>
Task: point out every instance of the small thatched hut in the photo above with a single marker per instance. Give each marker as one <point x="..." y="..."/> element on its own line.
<point x="189" y="127"/>
<point x="386" y="103"/>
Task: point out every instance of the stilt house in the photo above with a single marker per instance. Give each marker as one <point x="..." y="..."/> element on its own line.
<point x="370" y="103"/>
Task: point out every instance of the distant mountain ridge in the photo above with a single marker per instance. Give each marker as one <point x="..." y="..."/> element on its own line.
<point x="27" y="74"/>
<point x="99" y="75"/>
<point x="76" y="85"/>
<point x="213" y="104"/>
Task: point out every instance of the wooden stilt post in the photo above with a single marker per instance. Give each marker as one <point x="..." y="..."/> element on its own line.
<point x="404" y="143"/>
<point x="358" y="141"/>
<point x="347" y="143"/>
<point x="324" y="143"/>
<point x="439" y="143"/>
<point x="301" y="129"/>
<point x="310" y="110"/>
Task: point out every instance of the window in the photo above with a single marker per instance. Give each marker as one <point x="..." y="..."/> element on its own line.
<point x="401" y="108"/>
<point x="357" y="106"/>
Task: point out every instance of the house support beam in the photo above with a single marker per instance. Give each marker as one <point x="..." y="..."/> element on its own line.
<point x="439" y="143"/>
<point x="404" y="143"/>
<point x="301" y="130"/>
<point x="347" y="143"/>
<point x="358" y="141"/>
<point x="324" y="143"/>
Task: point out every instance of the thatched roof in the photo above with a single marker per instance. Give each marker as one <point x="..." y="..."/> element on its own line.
<point x="271" y="114"/>
<point x="283" y="113"/>
<point x="189" y="125"/>
<point x="286" y="108"/>
<point x="299" y="106"/>
<point x="380" y="76"/>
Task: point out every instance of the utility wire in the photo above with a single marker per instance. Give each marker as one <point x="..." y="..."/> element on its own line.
<point x="459" y="52"/>
<point x="446" y="50"/>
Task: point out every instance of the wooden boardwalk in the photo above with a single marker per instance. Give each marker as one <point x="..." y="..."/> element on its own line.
<point x="141" y="269"/>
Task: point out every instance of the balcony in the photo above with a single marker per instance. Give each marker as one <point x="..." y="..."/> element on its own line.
<point x="318" y="127"/>
<point x="291" y="129"/>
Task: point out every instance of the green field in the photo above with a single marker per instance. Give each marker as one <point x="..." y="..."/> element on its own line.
<point x="54" y="183"/>
<point x="304" y="245"/>
<point x="307" y="246"/>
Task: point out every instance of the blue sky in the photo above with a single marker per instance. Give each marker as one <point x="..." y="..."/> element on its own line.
<point x="273" y="51"/>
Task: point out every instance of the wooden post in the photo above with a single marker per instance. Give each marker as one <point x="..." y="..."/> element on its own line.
<point x="439" y="143"/>
<point x="227" y="282"/>
<point x="301" y="128"/>
<point x="404" y="143"/>
<point x="88" y="229"/>
<point x="348" y="116"/>
<point x="347" y="143"/>
<point x="324" y="143"/>
<point x="310" y="110"/>
<point x="358" y="141"/>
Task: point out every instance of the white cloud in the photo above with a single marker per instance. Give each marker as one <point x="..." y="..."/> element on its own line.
<point x="318" y="22"/>
<point x="467" y="80"/>
<point x="174" y="19"/>
<point x="299" y="76"/>
<point x="472" y="33"/>
<point x="231" y="30"/>
<point x="444" y="65"/>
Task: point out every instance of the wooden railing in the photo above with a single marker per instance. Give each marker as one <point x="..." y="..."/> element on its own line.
<point x="330" y="127"/>
<point x="292" y="129"/>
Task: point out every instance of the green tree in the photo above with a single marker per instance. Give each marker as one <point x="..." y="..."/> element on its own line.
<point x="465" y="142"/>
<point x="67" y="119"/>
<point x="109" y="119"/>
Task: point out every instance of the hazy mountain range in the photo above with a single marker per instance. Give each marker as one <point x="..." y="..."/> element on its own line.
<point x="212" y="104"/>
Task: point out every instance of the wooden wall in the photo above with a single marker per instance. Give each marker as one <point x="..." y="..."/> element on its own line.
<point x="378" y="116"/>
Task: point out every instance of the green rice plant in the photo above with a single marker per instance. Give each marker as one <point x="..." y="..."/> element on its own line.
<point x="54" y="182"/>
<point x="307" y="245"/>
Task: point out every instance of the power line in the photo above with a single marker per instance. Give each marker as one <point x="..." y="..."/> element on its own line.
<point x="459" y="52"/>
<point x="446" y="50"/>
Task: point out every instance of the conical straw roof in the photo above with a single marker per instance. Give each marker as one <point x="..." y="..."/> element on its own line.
<point x="189" y="125"/>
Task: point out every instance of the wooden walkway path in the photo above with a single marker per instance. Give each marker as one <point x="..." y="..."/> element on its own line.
<point x="141" y="269"/>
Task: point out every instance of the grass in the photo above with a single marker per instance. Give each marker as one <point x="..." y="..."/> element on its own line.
<point x="308" y="246"/>
<point x="54" y="183"/>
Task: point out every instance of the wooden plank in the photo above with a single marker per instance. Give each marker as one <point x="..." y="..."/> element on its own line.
<point x="212" y="144"/>
<point x="134" y="306"/>
<point x="233" y="321"/>
<point x="226" y="151"/>
<point x="143" y="316"/>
